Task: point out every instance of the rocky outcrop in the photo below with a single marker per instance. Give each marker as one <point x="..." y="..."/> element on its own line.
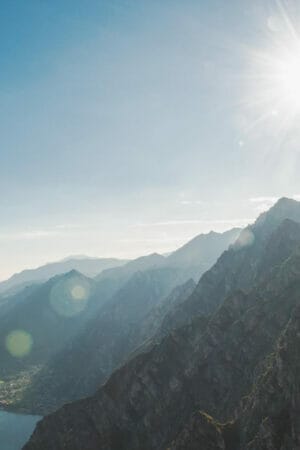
<point x="270" y="417"/>
<point x="200" y="432"/>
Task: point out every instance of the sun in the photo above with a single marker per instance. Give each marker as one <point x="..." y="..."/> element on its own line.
<point x="273" y="76"/>
<point x="291" y="80"/>
<point x="276" y="77"/>
<point x="285" y="76"/>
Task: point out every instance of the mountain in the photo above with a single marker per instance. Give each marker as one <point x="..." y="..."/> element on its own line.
<point x="193" y="258"/>
<point x="87" y="266"/>
<point x="201" y="432"/>
<point x="106" y="342"/>
<point x="269" y="417"/>
<point x="123" y="273"/>
<point x="239" y="266"/>
<point x="200" y="253"/>
<point x="227" y="375"/>
<point x="63" y="379"/>
<point x="38" y="322"/>
<point x="154" y="325"/>
<point x="50" y="315"/>
<point x="9" y="302"/>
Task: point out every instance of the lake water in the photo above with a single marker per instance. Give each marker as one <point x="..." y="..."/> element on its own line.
<point x="15" y="430"/>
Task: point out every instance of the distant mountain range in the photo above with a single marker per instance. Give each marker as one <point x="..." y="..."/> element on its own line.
<point x="222" y="370"/>
<point x="89" y="267"/>
<point x="199" y="254"/>
<point x="209" y="246"/>
<point x="83" y="328"/>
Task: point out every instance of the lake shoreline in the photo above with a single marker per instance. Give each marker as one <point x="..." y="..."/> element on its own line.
<point x="16" y="428"/>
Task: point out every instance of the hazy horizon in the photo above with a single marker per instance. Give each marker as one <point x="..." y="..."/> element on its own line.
<point x="261" y="204"/>
<point x="223" y="228"/>
<point x="129" y="128"/>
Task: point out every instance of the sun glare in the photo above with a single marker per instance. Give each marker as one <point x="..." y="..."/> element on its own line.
<point x="286" y="74"/>
<point x="274" y="74"/>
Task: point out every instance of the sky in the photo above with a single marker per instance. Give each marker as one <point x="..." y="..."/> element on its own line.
<point x="127" y="127"/>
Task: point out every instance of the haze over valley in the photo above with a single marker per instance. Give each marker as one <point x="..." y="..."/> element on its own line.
<point x="150" y="225"/>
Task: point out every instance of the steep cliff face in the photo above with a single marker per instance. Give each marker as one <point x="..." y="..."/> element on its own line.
<point x="200" y="432"/>
<point x="270" y="417"/>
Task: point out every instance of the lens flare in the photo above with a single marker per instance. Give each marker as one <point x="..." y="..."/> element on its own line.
<point x="245" y="239"/>
<point x="78" y="292"/>
<point x="69" y="297"/>
<point x="19" y="343"/>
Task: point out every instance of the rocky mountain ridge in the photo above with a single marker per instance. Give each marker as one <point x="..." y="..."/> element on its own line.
<point x="237" y="333"/>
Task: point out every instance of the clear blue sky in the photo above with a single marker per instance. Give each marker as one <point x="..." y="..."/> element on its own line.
<point x="127" y="126"/>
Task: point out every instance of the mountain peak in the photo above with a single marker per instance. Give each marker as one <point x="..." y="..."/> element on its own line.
<point x="284" y="208"/>
<point x="285" y="202"/>
<point x="73" y="273"/>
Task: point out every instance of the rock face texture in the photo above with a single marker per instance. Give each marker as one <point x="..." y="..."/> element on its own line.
<point x="271" y="415"/>
<point x="200" y="432"/>
<point x="232" y="351"/>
